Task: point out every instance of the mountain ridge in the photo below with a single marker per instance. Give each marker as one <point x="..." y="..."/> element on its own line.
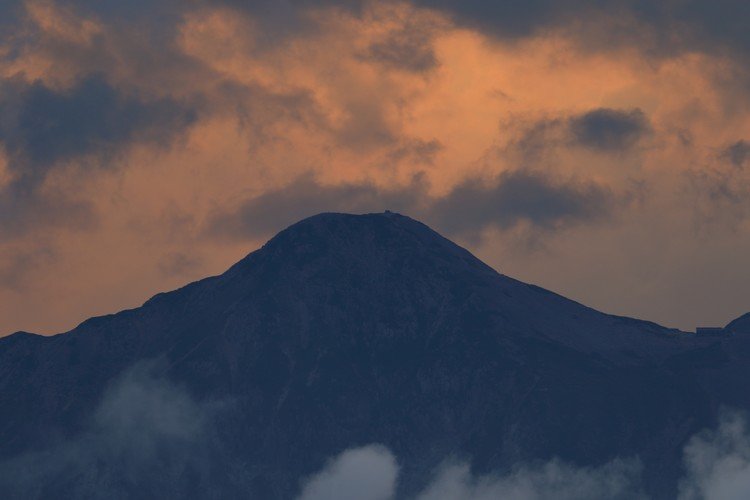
<point x="334" y="215"/>
<point x="348" y="329"/>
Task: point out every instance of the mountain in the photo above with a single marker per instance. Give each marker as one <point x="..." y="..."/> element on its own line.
<point x="740" y="325"/>
<point x="345" y="330"/>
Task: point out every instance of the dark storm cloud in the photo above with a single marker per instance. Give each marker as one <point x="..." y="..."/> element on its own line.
<point x="609" y="129"/>
<point x="737" y="153"/>
<point x="43" y="129"/>
<point x="521" y="196"/>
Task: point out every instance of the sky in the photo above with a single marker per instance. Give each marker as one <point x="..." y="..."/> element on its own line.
<point x="600" y="149"/>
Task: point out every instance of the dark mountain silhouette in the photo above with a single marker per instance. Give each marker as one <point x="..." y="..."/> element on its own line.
<point x="740" y="325"/>
<point x="345" y="330"/>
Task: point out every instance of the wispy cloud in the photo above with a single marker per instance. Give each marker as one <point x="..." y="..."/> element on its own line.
<point x="145" y="430"/>
<point x="367" y="473"/>
<point x="717" y="467"/>
<point x="717" y="462"/>
<point x="371" y="473"/>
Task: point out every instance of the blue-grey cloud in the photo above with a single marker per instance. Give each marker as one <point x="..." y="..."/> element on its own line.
<point x="263" y="214"/>
<point x="738" y="153"/>
<point x="521" y="196"/>
<point x="408" y="48"/>
<point x="655" y="27"/>
<point x="716" y="467"/>
<point x="366" y="473"/>
<point x="86" y="126"/>
<point x="371" y="473"/>
<point x="717" y="461"/>
<point x="146" y="430"/>
<point x="16" y="264"/>
<point x="179" y="264"/>
<point x="511" y="198"/>
<point x="609" y="129"/>
<point x="720" y="196"/>
<point x="42" y="126"/>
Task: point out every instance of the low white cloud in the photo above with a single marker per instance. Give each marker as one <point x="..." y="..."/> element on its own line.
<point x="716" y="467"/>
<point x="145" y="430"/>
<point x="371" y="472"/>
<point x="367" y="473"/>
<point x="717" y="462"/>
<point x="554" y="480"/>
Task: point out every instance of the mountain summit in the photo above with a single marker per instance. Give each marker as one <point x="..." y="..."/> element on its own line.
<point x="345" y="330"/>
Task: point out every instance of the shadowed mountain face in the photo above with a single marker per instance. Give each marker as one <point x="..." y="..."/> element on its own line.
<point x="345" y="330"/>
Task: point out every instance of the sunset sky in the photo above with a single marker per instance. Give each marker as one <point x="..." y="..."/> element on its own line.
<point x="600" y="149"/>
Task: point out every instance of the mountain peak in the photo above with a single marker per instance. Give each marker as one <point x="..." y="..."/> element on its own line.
<point x="374" y="237"/>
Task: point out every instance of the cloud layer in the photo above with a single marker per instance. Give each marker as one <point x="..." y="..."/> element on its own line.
<point x="145" y="430"/>
<point x="717" y="467"/>
<point x="149" y="430"/>
<point x="371" y="473"/>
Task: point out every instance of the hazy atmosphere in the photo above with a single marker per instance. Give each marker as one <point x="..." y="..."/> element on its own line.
<point x="598" y="149"/>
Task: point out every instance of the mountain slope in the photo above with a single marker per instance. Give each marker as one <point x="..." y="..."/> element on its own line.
<point x="344" y="330"/>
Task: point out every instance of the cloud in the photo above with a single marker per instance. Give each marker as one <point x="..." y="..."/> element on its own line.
<point x="367" y="473"/>
<point x="521" y="196"/>
<point x="16" y="264"/>
<point x="145" y="430"/>
<point x="720" y="197"/>
<point x="44" y="130"/>
<point x="550" y="139"/>
<point x="371" y="472"/>
<point x="737" y="153"/>
<point x="656" y="28"/>
<point x="716" y="466"/>
<point x="512" y="198"/>
<point x="25" y="207"/>
<point x="179" y="264"/>
<point x="408" y="48"/>
<point x="553" y="480"/>
<point x="42" y="126"/>
<point x="717" y="462"/>
<point x="508" y="19"/>
<point x="608" y="129"/>
<point x="265" y="213"/>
